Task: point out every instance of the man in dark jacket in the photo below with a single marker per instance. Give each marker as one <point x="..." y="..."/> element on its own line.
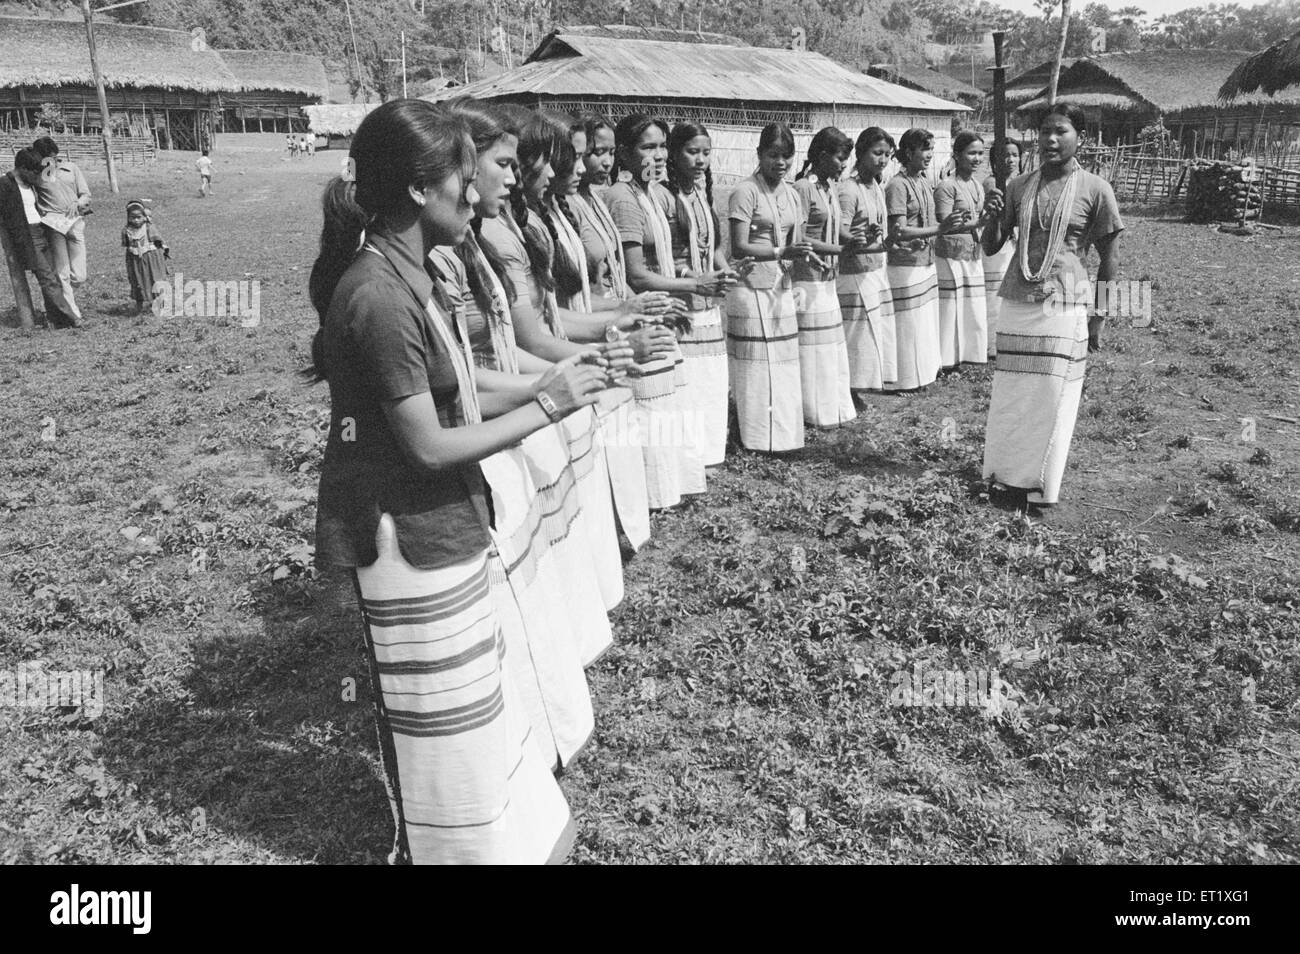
<point x="25" y="241"/>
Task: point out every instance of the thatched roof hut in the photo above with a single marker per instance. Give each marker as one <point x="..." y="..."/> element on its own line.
<point x="163" y="84"/>
<point x="159" y="83"/>
<point x="928" y="80"/>
<point x="1268" y="72"/>
<point x="336" y="119"/>
<point x="733" y="89"/>
<point x="1120" y="93"/>
<point x="1028" y="85"/>
<point x="273" y="86"/>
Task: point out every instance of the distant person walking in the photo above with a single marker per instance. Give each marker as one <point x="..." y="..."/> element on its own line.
<point x="204" y="165"/>
<point x="26" y="247"/>
<point x="63" y="201"/>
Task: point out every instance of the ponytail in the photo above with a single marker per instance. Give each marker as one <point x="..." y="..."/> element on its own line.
<point x="345" y="222"/>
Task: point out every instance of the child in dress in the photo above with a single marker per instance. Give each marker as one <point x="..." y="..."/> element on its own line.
<point x="145" y="254"/>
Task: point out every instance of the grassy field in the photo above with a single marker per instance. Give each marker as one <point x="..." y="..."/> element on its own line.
<point x="1146" y="628"/>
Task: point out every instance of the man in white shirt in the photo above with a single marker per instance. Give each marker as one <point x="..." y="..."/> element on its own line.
<point x="25" y="242"/>
<point x="63" y="199"/>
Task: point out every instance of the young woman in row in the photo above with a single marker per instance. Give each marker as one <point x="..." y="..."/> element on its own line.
<point x="402" y="499"/>
<point x="963" y="327"/>
<point x="823" y="356"/>
<point x="866" y="302"/>
<point x="640" y="207"/>
<point x="762" y="324"/>
<point x="1006" y="161"/>
<point x="697" y="254"/>
<point x="913" y="278"/>
<point x="561" y="619"/>
<point x="571" y="213"/>
<point x="1057" y="211"/>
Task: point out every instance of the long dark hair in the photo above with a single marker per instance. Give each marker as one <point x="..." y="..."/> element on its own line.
<point x="487" y="126"/>
<point x="542" y="140"/>
<point x="866" y="139"/>
<point x="406" y="142"/>
<point x="564" y="159"/>
<point x="828" y="141"/>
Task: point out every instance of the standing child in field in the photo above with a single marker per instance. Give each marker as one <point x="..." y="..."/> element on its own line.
<point x="145" y="253"/>
<point x="204" y="165"/>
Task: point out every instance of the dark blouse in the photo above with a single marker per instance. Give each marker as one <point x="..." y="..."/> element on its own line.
<point x="379" y="346"/>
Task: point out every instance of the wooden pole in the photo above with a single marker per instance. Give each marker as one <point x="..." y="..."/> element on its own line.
<point x="106" y="133"/>
<point x="1060" y="52"/>
<point x="999" y="109"/>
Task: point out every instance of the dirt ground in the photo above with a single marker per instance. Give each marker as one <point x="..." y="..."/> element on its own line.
<point x="160" y="531"/>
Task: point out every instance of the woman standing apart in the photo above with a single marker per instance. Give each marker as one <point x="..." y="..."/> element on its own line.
<point x="639" y="205"/>
<point x="863" y="284"/>
<point x="402" y="500"/>
<point x="762" y="326"/>
<point x="913" y="280"/>
<point x="696" y="252"/>
<point x="1007" y="161"/>
<point x="963" y="329"/>
<point x="1058" y="210"/>
<point x="823" y="356"/>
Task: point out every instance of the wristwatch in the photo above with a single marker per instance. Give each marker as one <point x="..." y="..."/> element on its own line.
<point x="613" y="332"/>
<point x="549" y="406"/>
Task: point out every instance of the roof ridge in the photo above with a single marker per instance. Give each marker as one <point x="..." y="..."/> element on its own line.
<point x="112" y="23"/>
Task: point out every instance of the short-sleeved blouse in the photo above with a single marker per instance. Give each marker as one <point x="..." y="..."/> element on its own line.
<point x="455" y="286"/>
<point x="958" y="195"/>
<point x="596" y="242"/>
<point x="815" y="205"/>
<point x="754" y="204"/>
<point x="380" y="345"/>
<point x="630" y="218"/>
<point x="862" y="204"/>
<point x="690" y="222"/>
<point x="913" y="199"/>
<point x="1094" y="215"/>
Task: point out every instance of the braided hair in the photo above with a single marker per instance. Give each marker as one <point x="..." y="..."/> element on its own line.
<point x="829" y="141"/>
<point x="682" y="134"/>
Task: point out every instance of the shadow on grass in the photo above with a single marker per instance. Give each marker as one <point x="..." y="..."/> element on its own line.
<point x="267" y="744"/>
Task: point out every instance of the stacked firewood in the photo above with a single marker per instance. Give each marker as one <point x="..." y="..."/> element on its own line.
<point x="1223" y="191"/>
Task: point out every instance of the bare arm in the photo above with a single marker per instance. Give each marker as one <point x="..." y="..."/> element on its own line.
<point x="430" y="446"/>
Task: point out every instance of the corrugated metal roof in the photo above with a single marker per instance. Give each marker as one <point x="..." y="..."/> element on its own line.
<point x="567" y="64"/>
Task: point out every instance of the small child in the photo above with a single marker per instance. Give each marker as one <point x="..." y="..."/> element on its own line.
<point x="204" y="165"/>
<point x="145" y="254"/>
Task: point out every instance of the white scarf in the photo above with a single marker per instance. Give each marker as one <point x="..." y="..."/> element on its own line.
<point x="658" y="223"/>
<point x="573" y="248"/>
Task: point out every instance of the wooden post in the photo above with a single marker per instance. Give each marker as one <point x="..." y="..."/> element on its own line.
<point x="18" y="279"/>
<point x="999" y="109"/>
<point x="106" y="133"/>
<point x="1060" y="52"/>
